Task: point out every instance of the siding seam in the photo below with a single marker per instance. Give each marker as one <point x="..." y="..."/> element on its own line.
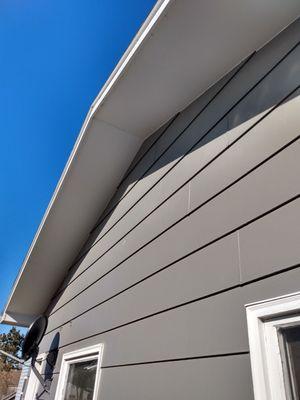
<point x="225" y="290"/>
<point x="169" y="265"/>
<point x="239" y="256"/>
<point x="184" y="130"/>
<point x="169" y="146"/>
<point x="195" y="209"/>
<point x="168" y="360"/>
<point x="171" y="360"/>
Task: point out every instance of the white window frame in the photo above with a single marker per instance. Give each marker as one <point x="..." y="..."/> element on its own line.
<point x="263" y="320"/>
<point x="84" y="354"/>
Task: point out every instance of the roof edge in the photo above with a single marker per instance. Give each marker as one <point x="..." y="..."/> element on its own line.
<point x="116" y="74"/>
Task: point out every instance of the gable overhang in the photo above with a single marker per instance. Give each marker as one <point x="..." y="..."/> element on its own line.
<point x="183" y="48"/>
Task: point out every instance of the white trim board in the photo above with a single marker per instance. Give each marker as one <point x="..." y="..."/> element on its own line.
<point x="263" y="318"/>
<point x="84" y="354"/>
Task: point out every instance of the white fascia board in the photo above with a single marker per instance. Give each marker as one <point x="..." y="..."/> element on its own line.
<point x="17" y="319"/>
<point x="144" y="32"/>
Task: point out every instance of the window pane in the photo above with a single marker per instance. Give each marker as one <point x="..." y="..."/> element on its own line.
<point x="291" y="364"/>
<point x="81" y="380"/>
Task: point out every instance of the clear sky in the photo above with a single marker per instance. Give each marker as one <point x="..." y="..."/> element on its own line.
<point x="55" y="57"/>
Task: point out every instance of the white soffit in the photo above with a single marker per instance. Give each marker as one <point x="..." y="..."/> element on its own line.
<point x="193" y="46"/>
<point x="183" y="48"/>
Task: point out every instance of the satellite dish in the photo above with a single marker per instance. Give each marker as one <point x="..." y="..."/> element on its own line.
<point x="33" y="337"/>
<point x="30" y="346"/>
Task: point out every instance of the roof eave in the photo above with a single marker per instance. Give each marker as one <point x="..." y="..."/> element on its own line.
<point x="114" y="128"/>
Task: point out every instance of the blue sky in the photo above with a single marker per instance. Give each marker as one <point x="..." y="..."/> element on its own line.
<point x="55" y="57"/>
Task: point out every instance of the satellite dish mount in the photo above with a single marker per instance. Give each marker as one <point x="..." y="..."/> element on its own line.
<point x="30" y="347"/>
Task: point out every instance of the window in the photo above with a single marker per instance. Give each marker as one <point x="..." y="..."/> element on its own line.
<point x="274" y="339"/>
<point x="290" y="347"/>
<point x="80" y="374"/>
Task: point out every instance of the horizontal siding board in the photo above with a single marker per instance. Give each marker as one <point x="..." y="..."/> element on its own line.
<point x="141" y="342"/>
<point x="187" y="380"/>
<point x="223" y="378"/>
<point x="239" y="204"/>
<point x="214" y="143"/>
<point x="272" y="243"/>
<point x="210" y="270"/>
<point x="254" y="70"/>
<point x="144" y="341"/>
<point x="266" y="138"/>
<point x="273" y="132"/>
<point x="269" y="91"/>
<point x="177" y="206"/>
<point x="275" y="286"/>
<point x="183" y="332"/>
<point x="108" y="317"/>
<point x="126" y="308"/>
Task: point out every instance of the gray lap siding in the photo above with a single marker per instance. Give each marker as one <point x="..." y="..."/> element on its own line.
<point x="204" y="221"/>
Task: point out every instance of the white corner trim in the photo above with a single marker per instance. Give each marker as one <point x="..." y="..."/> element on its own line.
<point x="84" y="354"/>
<point x="263" y="317"/>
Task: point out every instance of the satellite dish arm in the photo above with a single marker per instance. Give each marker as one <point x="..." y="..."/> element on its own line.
<point x="38" y="375"/>
<point x="36" y="372"/>
<point x="12" y="357"/>
<point x="33" y="367"/>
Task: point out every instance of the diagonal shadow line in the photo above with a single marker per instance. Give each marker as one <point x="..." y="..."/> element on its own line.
<point x="161" y="155"/>
<point x="196" y="143"/>
<point x="177" y="137"/>
<point x="181" y="258"/>
<point x="192" y="147"/>
<point x="179" y="220"/>
<point x="131" y="169"/>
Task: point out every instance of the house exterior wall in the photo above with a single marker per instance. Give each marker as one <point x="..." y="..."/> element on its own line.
<point x="205" y="221"/>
